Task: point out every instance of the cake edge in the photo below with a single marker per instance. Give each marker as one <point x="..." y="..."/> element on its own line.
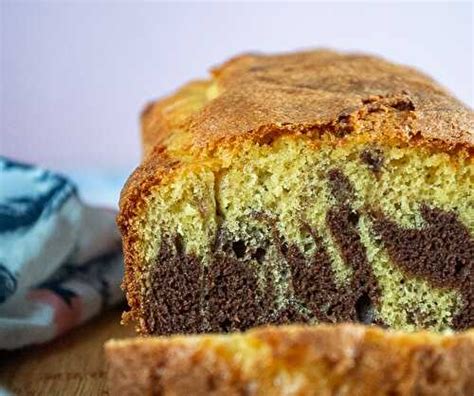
<point x="345" y="354"/>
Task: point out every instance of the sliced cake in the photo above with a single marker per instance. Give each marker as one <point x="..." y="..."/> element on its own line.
<point x="295" y="360"/>
<point x="308" y="187"/>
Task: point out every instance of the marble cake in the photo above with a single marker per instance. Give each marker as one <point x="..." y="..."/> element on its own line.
<point x="341" y="359"/>
<point x="307" y="187"/>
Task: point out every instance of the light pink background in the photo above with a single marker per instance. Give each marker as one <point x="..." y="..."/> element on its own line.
<point x="74" y="76"/>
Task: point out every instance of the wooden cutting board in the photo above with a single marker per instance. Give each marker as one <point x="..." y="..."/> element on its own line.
<point x="71" y="365"/>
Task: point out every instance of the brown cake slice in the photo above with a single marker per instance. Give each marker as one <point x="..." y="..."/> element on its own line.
<point x="323" y="360"/>
<point x="307" y="187"/>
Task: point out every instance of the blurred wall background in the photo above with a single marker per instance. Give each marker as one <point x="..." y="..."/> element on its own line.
<point x="74" y="76"/>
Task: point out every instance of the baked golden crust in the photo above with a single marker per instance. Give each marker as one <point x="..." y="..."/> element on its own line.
<point x="322" y="360"/>
<point x="319" y="94"/>
<point x="309" y="90"/>
<point x="314" y="93"/>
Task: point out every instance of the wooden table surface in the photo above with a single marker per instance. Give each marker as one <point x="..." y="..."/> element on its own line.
<point x="71" y="365"/>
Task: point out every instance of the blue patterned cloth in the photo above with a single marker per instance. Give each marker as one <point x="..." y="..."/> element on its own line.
<point x="60" y="260"/>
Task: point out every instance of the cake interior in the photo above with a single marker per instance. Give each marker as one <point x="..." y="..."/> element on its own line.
<point x="298" y="231"/>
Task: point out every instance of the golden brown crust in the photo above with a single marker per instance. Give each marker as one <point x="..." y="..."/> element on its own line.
<point x="313" y="93"/>
<point x="318" y="88"/>
<point x="322" y="94"/>
<point x="314" y="89"/>
<point x="321" y="360"/>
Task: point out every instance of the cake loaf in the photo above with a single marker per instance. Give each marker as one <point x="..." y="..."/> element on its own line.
<point x="343" y="359"/>
<point x="307" y="187"/>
